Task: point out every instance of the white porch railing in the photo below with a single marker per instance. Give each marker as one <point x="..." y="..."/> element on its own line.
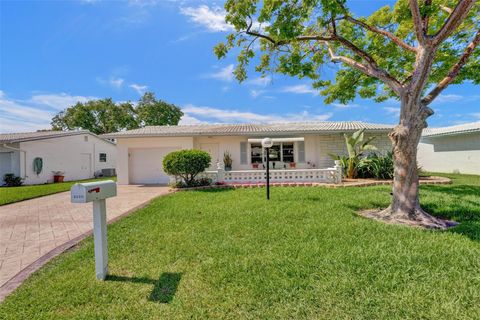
<point x="329" y="175"/>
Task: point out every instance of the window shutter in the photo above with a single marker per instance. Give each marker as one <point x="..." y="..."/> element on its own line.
<point x="301" y="151"/>
<point x="243" y="153"/>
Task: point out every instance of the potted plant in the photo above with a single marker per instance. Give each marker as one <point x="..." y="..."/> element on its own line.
<point x="227" y="161"/>
<point x="293" y="164"/>
<point x="255" y="165"/>
<point x="58" y="176"/>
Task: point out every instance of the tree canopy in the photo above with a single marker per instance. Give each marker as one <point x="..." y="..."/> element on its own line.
<point x="106" y="116"/>
<point x="153" y="112"/>
<point x="377" y="53"/>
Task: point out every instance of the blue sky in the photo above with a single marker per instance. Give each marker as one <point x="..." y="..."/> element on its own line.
<point x="54" y="53"/>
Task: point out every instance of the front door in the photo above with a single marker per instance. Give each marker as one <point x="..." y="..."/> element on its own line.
<point x="212" y="149"/>
<point x="85" y="165"/>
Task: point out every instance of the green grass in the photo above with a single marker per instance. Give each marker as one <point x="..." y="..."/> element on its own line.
<point x="230" y="254"/>
<point x="15" y="194"/>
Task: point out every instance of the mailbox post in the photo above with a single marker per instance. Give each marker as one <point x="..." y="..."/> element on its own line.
<point x="97" y="192"/>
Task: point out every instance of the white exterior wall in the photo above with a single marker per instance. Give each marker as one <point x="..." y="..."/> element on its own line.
<point x="455" y="153"/>
<point x="65" y="154"/>
<point x="317" y="148"/>
<point x="125" y="145"/>
<point x="335" y="144"/>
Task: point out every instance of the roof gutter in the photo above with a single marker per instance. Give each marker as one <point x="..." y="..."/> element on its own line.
<point x="239" y="134"/>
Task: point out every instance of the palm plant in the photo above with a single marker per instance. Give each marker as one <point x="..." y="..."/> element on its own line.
<point x="227" y="160"/>
<point x="356" y="147"/>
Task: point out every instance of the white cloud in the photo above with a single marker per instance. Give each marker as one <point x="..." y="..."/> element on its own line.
<point x="256" y="93"/>
<point x="34" y="113"/>
<point x="187" y="119"/>
<point x="260" y="81"/>
<point x="345" y="106"/>
<point x="395" y="111"/>
<point x="300" y="89"/>
<point x="211" y="18"/>
<point x="114" y="82"/>
<point x="8" y="125"/>
<point x="142" y="3"/>
<point x="235" y="116"/>
<point x="140" y="89"/>
<point x="59" y="101"/>
<point x="224" y="74"/>
<point x="443" y="98"/>
<point x="476" y="115"/>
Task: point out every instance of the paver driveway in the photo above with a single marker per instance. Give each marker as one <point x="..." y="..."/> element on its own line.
<point x="32" y="228"/>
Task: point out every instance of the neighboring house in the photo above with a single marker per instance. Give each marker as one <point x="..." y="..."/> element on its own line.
<point x="298" y="145"/>
<point x="451" y="149"/>
<point x="79" y="154"/>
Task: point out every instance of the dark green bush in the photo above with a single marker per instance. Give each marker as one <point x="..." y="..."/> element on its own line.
<point x="376" y="166"/>
<point x="11" y="180"/>
<point x="186" y="164"/>
<point x="196" y="183"/>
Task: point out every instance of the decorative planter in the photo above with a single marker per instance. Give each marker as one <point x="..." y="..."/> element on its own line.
<point x="293" y="165"/>
<point x="58" y="178"/>
<point x="228" y="168"/>
<point x="255" y="165"/>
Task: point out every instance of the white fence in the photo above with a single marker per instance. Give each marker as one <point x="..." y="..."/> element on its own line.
<point x="329" y="175"/>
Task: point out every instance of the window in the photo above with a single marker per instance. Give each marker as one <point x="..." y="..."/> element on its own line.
<point x="256" y="152"/>
<point x="282" y="152"/>
<point x="243" y="153"/>
<point x="275" y="154"/>
<point x="301" y="151"/>
<point x="102" y="157"/>
<point x="287" y="152"/>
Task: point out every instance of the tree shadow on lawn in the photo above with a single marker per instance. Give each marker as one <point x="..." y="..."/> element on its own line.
<point x="464" y="207"/>
<point x="164" y="288"/>
<point x="460" y="203"/>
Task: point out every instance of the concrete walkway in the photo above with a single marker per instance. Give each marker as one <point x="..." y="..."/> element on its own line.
<point x="34" y="231"/>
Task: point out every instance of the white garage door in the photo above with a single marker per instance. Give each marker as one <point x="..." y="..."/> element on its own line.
<point x="146" y="165"/>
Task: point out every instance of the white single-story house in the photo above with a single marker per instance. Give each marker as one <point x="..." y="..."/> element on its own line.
<point x="299" y="148"/>
<point x="78" y="154"/>
<point x="451" y="149"/>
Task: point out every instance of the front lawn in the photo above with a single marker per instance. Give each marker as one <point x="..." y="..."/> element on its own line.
<point x="303" y="255"/>
<point x="15" y="194"/>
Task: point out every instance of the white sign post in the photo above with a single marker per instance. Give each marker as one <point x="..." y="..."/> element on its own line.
<point x="97" y="192"/>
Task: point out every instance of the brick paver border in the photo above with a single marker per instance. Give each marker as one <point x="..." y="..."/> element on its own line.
<point x="345" y="184"/>
<point x="12" y="284"/>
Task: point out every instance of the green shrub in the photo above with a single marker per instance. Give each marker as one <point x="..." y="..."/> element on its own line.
<point x="196" y="183"/>
<point x="376" y="166"/>
<point x="11" y="180"/>
<point x="186" y="164"/>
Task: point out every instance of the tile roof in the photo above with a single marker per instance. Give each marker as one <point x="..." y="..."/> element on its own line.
<point x="250" y="129"/>
<point x="459" y="129"/>
<point x="40" y="135"/>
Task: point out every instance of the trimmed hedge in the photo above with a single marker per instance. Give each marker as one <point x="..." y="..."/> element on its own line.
<point x="186" y="164"/>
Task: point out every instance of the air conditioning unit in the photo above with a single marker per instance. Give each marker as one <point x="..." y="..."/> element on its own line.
<point x="110" y="172"/>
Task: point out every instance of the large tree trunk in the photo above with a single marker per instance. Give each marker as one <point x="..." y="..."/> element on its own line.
<point x="405" y="205"/>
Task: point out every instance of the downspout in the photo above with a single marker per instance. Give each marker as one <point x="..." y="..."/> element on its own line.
<point x="24" y="155"/>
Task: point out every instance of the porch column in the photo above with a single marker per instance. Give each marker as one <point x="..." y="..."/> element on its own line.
<point x="220" y="173"/>
<point x="338" y="172"/>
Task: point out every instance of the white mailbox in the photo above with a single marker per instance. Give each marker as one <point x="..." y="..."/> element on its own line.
<point x="97" y="192"/>
<point x="91" y="191"/>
